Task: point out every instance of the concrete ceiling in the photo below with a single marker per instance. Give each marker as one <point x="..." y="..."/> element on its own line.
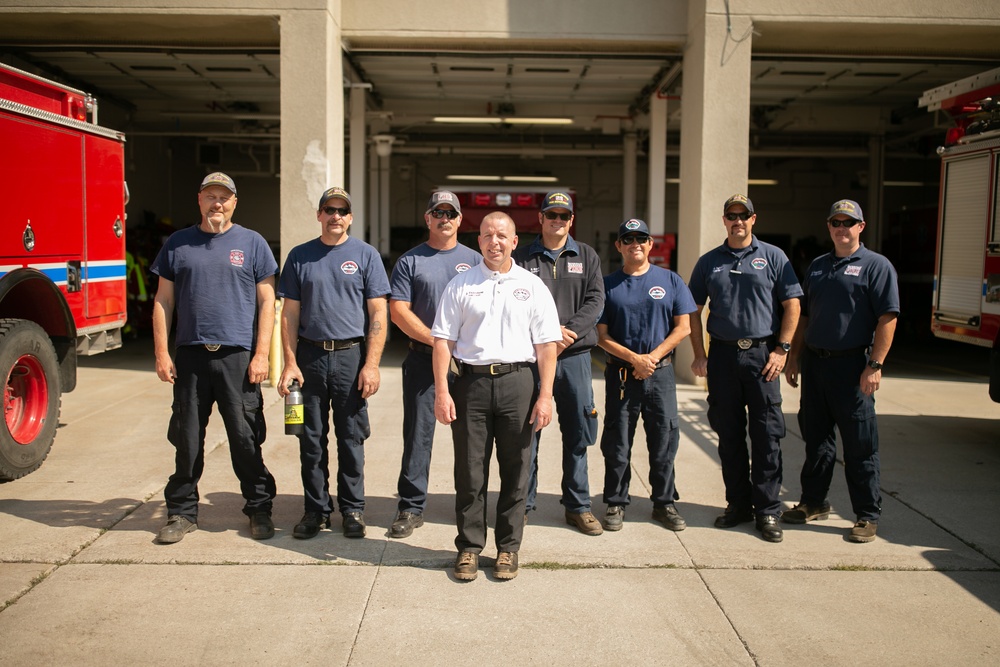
<point x="231" y="90"/>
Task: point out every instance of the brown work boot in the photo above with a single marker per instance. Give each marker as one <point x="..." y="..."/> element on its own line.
<point x="863" y="531"/>
<point x="506" y="565"/>
<point x="467" y="566"/>
<point x="585" y="522"/>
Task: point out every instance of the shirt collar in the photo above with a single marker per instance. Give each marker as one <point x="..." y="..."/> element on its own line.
<point x="538" y="248"/>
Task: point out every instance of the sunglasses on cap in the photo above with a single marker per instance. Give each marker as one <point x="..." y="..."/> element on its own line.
<point x="634" y="238"/>
<point x="444" y="213"/>
<point x="330" y="210"/>
<point x="850" y="222"/>
<point x="733" y="217"/>
<point x="552" y="215"/>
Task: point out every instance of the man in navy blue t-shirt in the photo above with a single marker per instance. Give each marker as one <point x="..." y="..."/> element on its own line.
<point x="845" y="332"/>
<point x="418" y="280"/>
<point x="753" y="297"/>
<point x="333" y="328"/>
<point x="220" y="278"/>
<point x="647" y="311"/>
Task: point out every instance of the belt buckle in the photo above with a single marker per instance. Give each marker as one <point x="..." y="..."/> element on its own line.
<point x="493" y="369"/>
<point x="213" y="347"/>
<point x="329" y="345"/>
<point x="744" y="343"/>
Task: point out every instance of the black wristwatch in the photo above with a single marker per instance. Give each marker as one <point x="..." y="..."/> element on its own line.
<point x="785" y="346"/>
<point x="874" y="365"/>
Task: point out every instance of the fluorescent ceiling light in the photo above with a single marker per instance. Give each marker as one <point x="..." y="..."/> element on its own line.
<point x="531" y="179"/>
<point x="510" y="120"/>
<point x="751" y="181"/>
<point x="506" y="179"/>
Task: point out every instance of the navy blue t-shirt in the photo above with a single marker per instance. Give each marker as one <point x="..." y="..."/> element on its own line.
<point x="215" y="280"/>
<point x="639" y="311"/>
<point x="332" y="285"/>
<point x="746" y="286"/>
<point x="846" y="296"/>
<point x="421" y="274"/>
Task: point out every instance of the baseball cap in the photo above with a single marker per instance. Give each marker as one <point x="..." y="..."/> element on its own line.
<point x="218" y="178"/>
<point x="632" y="226"/>
<point x="333" y="193"/>
<point x="738" y="199"/>
<point x="443" y="197"/>
<point x="847" y="207"/>
<point x="557" y="200"/>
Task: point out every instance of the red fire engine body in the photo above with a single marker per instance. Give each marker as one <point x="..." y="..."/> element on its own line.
<point x="62" y="254"/>
<point x="966" y="304"/>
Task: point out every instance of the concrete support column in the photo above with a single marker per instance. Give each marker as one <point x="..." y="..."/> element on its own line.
<point x="876" y="193"/>
<point x="657" y="191"/>
<point x="312" y="134"/>
<point x="629" y="152"/>
<point x="359" y="139"/>
<point x="715" y="131"/>
<point x="383" y="204"/>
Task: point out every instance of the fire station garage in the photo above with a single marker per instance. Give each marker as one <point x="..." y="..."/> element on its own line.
<point x="658" y="109"/>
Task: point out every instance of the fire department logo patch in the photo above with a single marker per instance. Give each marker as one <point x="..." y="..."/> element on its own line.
<point x="522" y="294"/>
<point x="657" y="292"/>
<point x="349" y="267"/>
<point x="759" y="263"/>
<point x="462" y="268"/>
<point x="574" y="267"/>
<point x="236" y="257"/>
<point x="852" y="270"/>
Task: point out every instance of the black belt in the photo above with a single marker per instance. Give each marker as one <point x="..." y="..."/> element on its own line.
<point x="826" y="354"/>
<point x="745" y="343"/>
<point x="333" y="345"/>
<point x="492" y="369"/>
<point x="215" y="347"/>
<point x="615" y="361"/>
<point x="420" y="347"/>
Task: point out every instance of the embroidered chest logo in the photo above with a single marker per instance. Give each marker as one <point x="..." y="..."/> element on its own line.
<point x="718" y="269"/>
<point x="522" y="294"/>
<point x="462" y="268"/>
<point x="852" y="270"/>
<point x="534" y="269"/>
<point x="236" y="257"/>
<point x="657" y="292"/>
<point x="759" y="263"/>
<point x="349" y="267"/>
<point x="574" y="267"/>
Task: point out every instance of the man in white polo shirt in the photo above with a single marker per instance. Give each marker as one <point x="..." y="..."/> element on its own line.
<point x="495" y="320"/>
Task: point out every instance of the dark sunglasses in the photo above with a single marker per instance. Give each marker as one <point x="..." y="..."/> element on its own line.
<point x="330" y="210"/>
<point x="634" y="238"/>
<point x="550" y="215"/>
<point x="846" y="223"/>
<point x="733" y="217"/>
<point x="442" y="213"/>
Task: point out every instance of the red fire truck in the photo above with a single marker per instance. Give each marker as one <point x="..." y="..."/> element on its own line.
<point x="966" y="304"/>
<point x="62" y="254"/>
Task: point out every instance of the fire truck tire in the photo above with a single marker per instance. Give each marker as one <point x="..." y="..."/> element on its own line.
<point x="32" y="397"/>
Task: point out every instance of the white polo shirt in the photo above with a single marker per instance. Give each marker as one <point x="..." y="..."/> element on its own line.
<point x="496" y="318"/>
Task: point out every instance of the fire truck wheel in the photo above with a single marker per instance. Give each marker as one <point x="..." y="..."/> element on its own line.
<point x="31" y="398"/>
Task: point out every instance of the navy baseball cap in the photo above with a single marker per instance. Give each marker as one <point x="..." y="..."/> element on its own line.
<point x="557" y="200"/>
<point x="334" y="193"/>
<point x="218" y="178"/>
<point x="633" y="226"/>
<point x="443" y="197"/>
<point x="738" y="199"/>
<point x="847" y="207"/>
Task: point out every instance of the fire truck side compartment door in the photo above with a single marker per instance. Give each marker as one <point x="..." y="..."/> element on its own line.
<point x="964" y="216"/>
